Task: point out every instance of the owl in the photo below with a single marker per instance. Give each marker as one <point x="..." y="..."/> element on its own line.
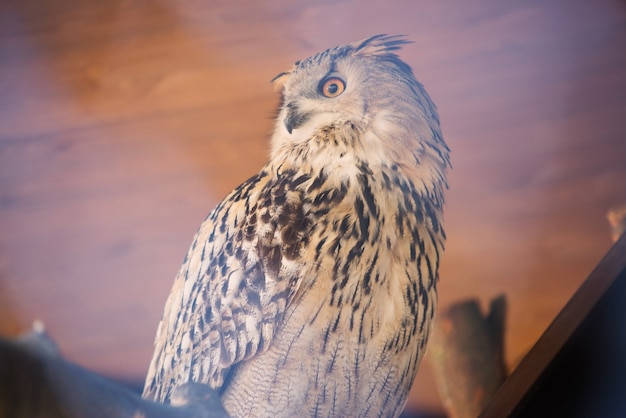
<point x="310" y="289"/>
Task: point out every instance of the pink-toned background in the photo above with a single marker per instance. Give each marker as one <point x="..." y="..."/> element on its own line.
<point x="122" y="123"/>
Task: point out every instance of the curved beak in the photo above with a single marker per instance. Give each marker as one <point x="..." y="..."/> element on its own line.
<point x="294" y="117"/>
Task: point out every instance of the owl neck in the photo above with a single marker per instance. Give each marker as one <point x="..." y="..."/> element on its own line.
<point x="341" y="151"/>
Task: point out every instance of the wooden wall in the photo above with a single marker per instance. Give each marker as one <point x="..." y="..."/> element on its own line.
<point x="122" y="123"/>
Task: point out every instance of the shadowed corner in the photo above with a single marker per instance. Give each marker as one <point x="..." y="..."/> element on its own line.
<point x="35" y="381"/>
<point x="133" y="385"/>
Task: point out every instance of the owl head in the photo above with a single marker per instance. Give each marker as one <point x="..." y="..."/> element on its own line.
<point x="366" y="86"/>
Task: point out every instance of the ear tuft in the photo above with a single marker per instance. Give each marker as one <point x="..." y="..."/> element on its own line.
<point x="380" y="44"/>
<point x="280" y="80"/>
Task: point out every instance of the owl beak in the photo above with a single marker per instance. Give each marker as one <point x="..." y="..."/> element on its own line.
<point x="294" y="118"/>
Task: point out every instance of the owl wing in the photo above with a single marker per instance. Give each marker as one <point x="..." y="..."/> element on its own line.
<point x="235" y="283"/>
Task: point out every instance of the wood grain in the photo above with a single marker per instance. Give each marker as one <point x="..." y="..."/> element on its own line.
<point x="123" y="122"/>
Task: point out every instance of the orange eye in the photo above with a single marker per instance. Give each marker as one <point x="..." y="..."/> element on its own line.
<point x="332" y="87"/>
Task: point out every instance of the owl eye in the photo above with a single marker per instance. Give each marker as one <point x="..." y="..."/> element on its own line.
<point x="332" y="87"/>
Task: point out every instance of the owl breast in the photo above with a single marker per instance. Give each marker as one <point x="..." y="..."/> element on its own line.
<point x="362" y="313"/>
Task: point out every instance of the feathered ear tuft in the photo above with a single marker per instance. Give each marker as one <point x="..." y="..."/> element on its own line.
<point x="380" y="44"/>
<point x="280" y="80"/>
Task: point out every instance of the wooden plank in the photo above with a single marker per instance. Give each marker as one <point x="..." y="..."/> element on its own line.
<point x="522" y="380"/>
